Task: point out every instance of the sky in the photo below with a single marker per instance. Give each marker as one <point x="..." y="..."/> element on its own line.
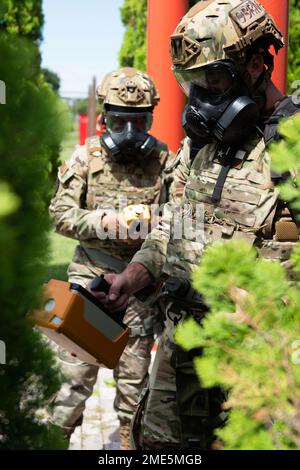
<point x="82" y="38"/>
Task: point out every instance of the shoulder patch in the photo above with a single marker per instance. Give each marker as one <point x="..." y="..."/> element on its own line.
<point x="63" y="169"/>
<point x="247" y="13"/>
<point x="174" y="159"/>
<point x="93" y="146"/>
<point x="65" y="174"/>
<point x="79" y="157"/>
<point x="96" y="164"/>
<point x="95" y="151"/>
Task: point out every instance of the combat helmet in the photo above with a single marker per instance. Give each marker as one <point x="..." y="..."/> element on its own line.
<point x="215" y="30"/>
<point x="128" y="87"/>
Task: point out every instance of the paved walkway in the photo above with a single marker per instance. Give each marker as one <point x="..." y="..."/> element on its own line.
<point x="100" y="427"/>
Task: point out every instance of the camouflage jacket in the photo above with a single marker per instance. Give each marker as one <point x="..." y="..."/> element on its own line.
<point x="248" y="209"/>
<point x="90" y="182"/>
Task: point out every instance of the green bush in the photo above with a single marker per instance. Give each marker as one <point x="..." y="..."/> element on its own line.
<point x="294" y="46"/>
<point x="133" y="50"/>
<point x="22" y="18"/>
<point x="31" y="124"/>
<point x="52" y="79"/>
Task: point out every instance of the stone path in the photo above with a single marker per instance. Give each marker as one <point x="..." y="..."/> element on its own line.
<point x="100" y="427"/>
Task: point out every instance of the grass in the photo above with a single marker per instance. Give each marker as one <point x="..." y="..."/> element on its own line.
<point x="68" y="145"/>
<point x="62" y="248"/>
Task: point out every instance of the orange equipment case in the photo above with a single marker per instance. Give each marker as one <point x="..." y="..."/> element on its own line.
<point x="76" y="321"/>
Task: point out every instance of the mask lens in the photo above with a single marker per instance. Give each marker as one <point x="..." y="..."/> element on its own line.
<point x="139" y="122"/>
<point x="216" y="78"/>
<point x="116" y="122"/>
<point x="219" y="79"/>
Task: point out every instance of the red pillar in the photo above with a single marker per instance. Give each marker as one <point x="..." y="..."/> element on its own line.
<point x="163" y="17"/>
<point x="83" y="128"/>
<point x="279" y="9"/>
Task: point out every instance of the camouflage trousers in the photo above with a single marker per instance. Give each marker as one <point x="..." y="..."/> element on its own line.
<point x="131" y="374"/>
<point x="174" y="411"/>
<point x="156" y="423"/>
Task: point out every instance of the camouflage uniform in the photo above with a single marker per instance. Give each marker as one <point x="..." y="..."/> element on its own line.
<point x="88" y="185"/>
<point x="174" y="410"/>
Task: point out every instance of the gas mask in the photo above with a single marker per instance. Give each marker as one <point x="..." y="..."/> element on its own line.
<point x="219" y="106"/>
<point x="126" y="137"/>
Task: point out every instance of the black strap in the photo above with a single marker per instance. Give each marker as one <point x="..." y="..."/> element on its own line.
<point x="194" y="149"/>
<point x="287" y="107"/>
<point x="218" y="189"/>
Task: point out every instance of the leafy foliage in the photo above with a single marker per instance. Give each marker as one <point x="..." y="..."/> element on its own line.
<point x="80" y="106"/>
<point x="31" y="124"/>
<point x="22" y="17"/>
<point x="9" y="201"/>
<point x="52" y="79"/>
<point x="294" y="47"/>
<point x="251" y="336"/>
<point x="134" y="48"/>
<point x="286" y="156"/>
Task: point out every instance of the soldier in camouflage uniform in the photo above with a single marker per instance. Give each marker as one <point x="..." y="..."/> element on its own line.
<point x="221" y="59"/>
<point x="125" y="166"/>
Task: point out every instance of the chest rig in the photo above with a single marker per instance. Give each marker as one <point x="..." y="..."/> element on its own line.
<point x="109" y="181"/>
<point x="112" y="185"/>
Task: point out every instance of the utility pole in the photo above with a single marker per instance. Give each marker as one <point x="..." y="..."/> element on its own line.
<point x="92" y="109"/>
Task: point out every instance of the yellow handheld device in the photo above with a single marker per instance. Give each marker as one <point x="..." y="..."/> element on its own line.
<point x="137" y="212"/>
<point x="74" y="319"/>
<point x="138" y="219"/>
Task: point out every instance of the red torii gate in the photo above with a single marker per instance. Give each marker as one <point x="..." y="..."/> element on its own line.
<point x="163" y="16"/>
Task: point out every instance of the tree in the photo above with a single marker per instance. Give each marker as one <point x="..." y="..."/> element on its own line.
<point x="133" y="50"/>
<point x="251" y="336"/>
<point x="22" y="18"/>
<point x="80" y="106"/>
<point x="31" y="124"/>
<point x="294" y="46"/>
<point x="134" y="17"/>
<point x="52" y="79"/>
